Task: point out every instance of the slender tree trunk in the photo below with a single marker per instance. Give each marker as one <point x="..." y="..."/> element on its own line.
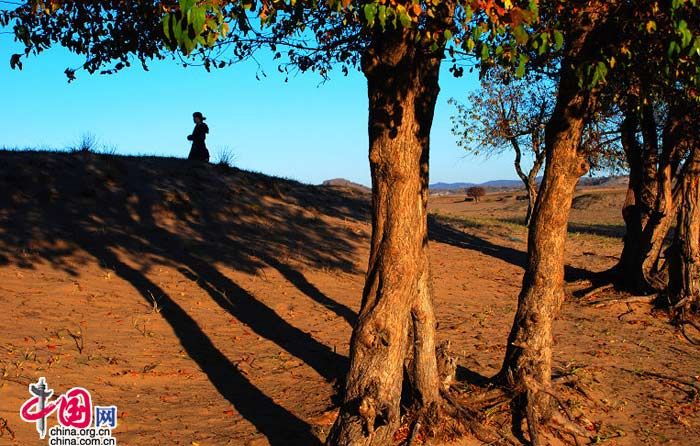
<point x="532" y="185"/>
<point x="531" y="198"/>
<point x="527" y="366"/>
<point x="630" y="266"/>
<point x="529" y="180"/>
<point x="396" y="317"/>
<point x="684" y="254"/>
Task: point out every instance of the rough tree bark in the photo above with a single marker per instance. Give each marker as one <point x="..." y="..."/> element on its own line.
<point x="650" y="205"/>
<point x="527" y="365"/>
<point x="684" y="253"/>
<point x="396" y="319"/>
<point x="666" y="199"/>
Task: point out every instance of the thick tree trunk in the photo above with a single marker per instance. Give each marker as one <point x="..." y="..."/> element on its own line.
<point x="650" y="162"/>
<point x="684" y="254"/>
<point x="665" y="205"/>
<point x="396" y="318"/>
<point x="650" y="205"/>
<point x="527" y="366"/>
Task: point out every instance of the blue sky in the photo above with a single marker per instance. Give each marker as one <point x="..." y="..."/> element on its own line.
<point x="302" y="129"/>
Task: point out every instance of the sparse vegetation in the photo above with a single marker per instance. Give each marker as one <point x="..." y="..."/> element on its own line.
<point x="225" y="157"/>
<point x="87" y="143"/>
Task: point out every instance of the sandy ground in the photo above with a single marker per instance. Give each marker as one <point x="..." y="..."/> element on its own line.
<point x="214" y="306"/>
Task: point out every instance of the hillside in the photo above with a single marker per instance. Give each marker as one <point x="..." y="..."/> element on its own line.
<point x="214" y="306"/>
<point x="496" y="185"/>
<point x="342" y="182"/>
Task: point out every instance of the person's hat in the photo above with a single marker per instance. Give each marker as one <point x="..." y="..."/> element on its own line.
<point x="198" y="115"/>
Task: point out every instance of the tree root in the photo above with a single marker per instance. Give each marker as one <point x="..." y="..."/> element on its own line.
<point x="682" y="325"/>
<point x="477" y="413"/>
<point x="627" y="300"/>
<point x="531" y="417"/>
<point x="695" y="388"/>
<point x="588" y="295"/>
<point x="474" y="420"/>
<point x="414" y="434"/>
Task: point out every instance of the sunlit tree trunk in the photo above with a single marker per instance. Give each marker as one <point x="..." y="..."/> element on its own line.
<point x="527" y="366"/>
<point x="684" y="254"/>
<point x="396" y="320"/>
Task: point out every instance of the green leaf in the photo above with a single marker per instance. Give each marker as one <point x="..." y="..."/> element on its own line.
<point x="673" y="49"/>
<point x="484" y="53"/>
<point x="520" y="72"/>
<point x="381" y="14"/>
<point x="558" y="39"/>
<point x="470" y="44"/>
<point x="166" y="26"/>
<point x="177" y="30"/>
<point x="521" y="36"/>
<point x="197" y="16"/>
<point x="405" y="20"/>
<point x="448" y="35"/>
<point x="186" y="5"/>
<point x="370" y="12"/>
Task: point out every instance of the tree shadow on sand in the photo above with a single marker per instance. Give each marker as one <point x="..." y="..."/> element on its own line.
<point x="58" y="207"/>
<point x="444" y="232"/>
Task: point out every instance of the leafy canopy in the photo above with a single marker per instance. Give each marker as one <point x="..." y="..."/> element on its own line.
<point x="319" y="35"/>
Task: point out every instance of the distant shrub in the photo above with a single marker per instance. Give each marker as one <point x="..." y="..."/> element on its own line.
<point x="225" y="156"/>
<point x="86" y="143"/>
<point x="476" y="192"/>
<point x="109" y="150"/>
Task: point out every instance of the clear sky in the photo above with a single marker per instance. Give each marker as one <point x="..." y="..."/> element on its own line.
<point x="302" y="129"/>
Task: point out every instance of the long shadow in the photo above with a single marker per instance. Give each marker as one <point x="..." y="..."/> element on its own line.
<point x="260" y="318"/>
<point x="448" y="234"/>
<point x="302" y="284"/>
<point x="55" y="207"/>
<point x="234" y="299"/>
<point x="603" y="230"/>
<point x="280" y="426"/>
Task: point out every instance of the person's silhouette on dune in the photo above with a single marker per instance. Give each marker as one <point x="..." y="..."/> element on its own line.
<point x="199" y="151"/>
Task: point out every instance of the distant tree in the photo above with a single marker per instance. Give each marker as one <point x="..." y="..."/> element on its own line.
<point x="506" y="113"/>
<point x="509" y="113"/>
<point x="476" y="192"/>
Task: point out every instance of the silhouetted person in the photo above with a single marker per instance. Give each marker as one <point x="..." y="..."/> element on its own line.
<point x="199" y="150"/>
